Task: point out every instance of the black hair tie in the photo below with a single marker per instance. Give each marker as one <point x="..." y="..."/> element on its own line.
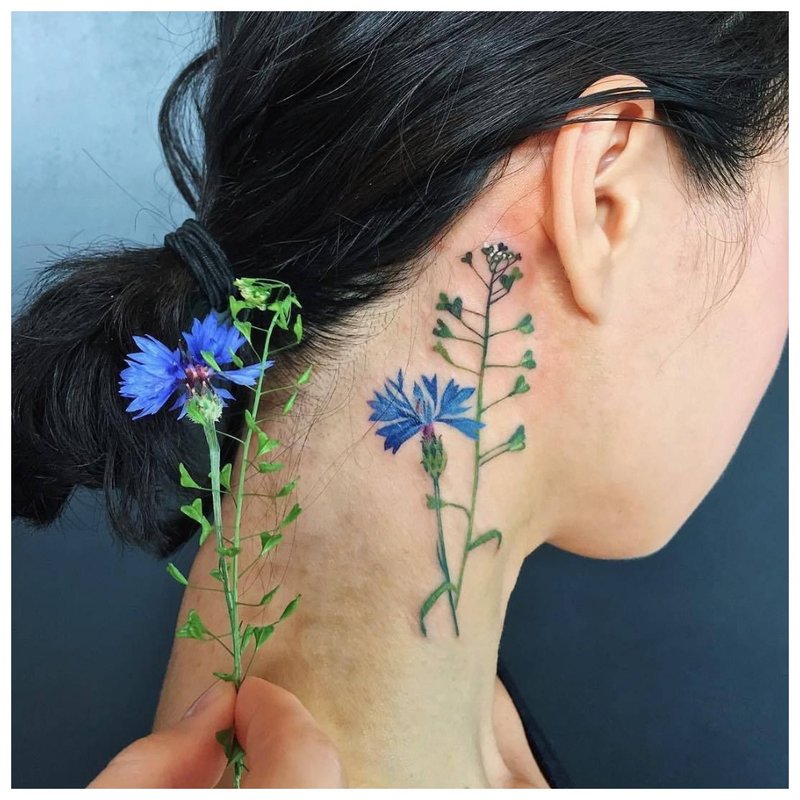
<point x="205" y="259"/>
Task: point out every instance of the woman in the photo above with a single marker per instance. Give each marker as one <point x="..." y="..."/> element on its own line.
<point x="542" y="263"/>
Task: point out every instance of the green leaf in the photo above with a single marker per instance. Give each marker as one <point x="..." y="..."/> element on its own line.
<point x="282" y="308"/>
<point x="229" y="551"/>
<point x="237" y="755"/>
<point x="304" y="377"/>
<point x="246" y="636"/>
<point x="236" y="360"/>
<point x="251" y="422"/>
<point x="225" y="676"/>
<point x="194" y="510"/>
<point x="429" y="603"/>
<point x="432" y="502"/>
<point x="269" y="541"/>
<point x="290" y="608"/>
<point x="270" y="466"/>
<point x="454" y="306"/>
<point x="235" y="306"/>
<point x="520" y="386"/>
<point x="216" y="574"/>
<point x="186" y="479"/>
<point x="289" y="404"/>
<point x="442" y="351"/>
<point x="262" y="633"/>
<point x="527" y="360"/>
<point x="287" y="488"/>
<point x="208" y="357"/>
<point x="194" y="413"/>
<point x="444" y="302"/>
<point x="298" y="328"/>
<point x="442" y="330"/>
<point x="193" y="628"/>
<point x="225" y="738"/>
<point x="507" y="280"/>
<point x="517" y="440"/>
<point x="206" y="530"/>
<point x="259" y="634"/>
<point x="487" y="537"/>
<point x="268" y="596"/>
<point x="265" y="443"/>
<point x="225" y="476"/>
<point x="525" y="325"/>
<point x="244" y="328"/>
<point x="230" y="745"/>
<point x="177" y="574"/>
<point x="291" y="516"/>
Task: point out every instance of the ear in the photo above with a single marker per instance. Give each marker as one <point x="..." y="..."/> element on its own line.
<point x="595" y="183"/>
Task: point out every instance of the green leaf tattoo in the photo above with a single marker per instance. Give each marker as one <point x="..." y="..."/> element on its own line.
<point x="403" y="416"/>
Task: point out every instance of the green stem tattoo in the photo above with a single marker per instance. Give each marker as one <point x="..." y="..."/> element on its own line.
<point x="442" y="553"/>
<point x="404" y="416"/>
<point x="476" y="466"/>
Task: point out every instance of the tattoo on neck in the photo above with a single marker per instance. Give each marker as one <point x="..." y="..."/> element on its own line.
<point x="404" y="416"/>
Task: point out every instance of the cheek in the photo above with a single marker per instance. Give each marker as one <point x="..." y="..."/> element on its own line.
<point x="702" y="397"/>
<point x="673" y="395"/>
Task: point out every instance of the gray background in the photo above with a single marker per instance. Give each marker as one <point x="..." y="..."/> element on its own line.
<point x="668" y="671"/>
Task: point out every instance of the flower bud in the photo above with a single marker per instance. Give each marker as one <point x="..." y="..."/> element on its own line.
<point x="434" y="458"/>
<point x="205" y="408"/>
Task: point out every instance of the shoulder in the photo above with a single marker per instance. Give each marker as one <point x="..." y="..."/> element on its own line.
<point x="512" y="742"/>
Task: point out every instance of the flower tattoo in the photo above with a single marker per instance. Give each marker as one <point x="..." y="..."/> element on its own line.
<point x="406" y="416"/>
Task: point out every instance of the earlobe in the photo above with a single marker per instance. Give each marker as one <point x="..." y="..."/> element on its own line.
<point x="594" y="187"/>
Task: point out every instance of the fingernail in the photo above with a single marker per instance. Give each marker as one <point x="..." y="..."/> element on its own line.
<point x="203" y="701"/>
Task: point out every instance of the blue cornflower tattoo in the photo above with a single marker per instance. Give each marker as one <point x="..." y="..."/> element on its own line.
<point x="407" y="416"/>
<point x="155" y="372"/>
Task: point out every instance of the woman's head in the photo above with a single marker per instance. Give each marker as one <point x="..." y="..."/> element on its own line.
<point x="359" y="156"/>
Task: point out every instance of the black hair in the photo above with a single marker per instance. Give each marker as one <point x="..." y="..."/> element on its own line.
<point x="333" y="150"/>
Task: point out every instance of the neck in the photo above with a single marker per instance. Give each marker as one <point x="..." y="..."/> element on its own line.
<point x="403" y="708"/>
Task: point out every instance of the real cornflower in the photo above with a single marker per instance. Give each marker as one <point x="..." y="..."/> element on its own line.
<point x="155" y="373"/>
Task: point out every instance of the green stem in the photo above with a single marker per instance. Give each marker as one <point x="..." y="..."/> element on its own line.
<point x="499" y="452"/>
<point x="238" y="677"/>
<point x="442" y="551"/>
<point x="477" y="450"/>
<point x="499" y="400"/>
<point x="228" y="581"/>
<point x="238" y="767"/>
<point x="228" y="586"/>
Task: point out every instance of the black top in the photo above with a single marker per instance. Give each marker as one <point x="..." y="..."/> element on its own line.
<point x="552" y="769"/>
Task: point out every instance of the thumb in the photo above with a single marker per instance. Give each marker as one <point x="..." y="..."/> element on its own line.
<point x="285" y="747"/>
<point x="185" y="755"/>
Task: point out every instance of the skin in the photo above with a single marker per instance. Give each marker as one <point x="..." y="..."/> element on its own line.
<point x="654" y="341"/>
<point x="186" y="754"/>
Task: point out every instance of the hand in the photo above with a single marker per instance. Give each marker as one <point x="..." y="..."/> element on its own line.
<point x="285" y="747"/>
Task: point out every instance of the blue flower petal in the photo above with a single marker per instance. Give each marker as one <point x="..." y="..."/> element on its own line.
<point x="430" y="385"/>
<point x="398" y="432"/>
<point x="406" y="418"/>
<point x="151" y="376"/>
<point x="218" y="338"/>
<point x="453" y="399"/>
<point x="245" y="376"/>
<point x="469" y="427"/>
